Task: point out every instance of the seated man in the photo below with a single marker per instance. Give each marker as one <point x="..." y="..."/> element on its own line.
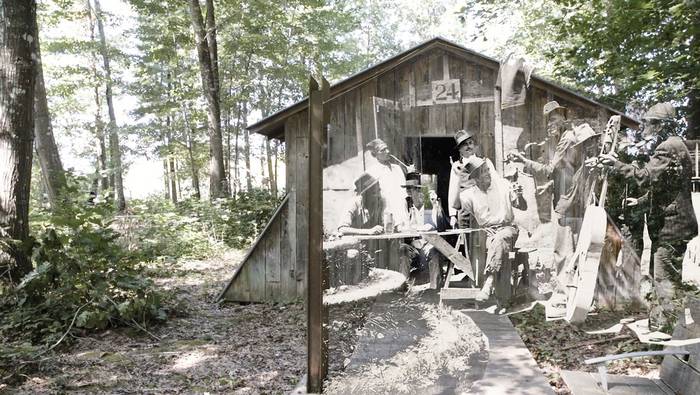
<point x="418" y="255"/>
<point x="490" y="201"/>
<point x="365" y="211"/>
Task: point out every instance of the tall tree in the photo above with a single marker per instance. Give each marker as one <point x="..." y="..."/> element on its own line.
<point x="102" y="167"/>
<point x="114" y="149"/>
<point x="46" y="149"/>
<point x="207" y="53"/>
<point x="17" y="82"/>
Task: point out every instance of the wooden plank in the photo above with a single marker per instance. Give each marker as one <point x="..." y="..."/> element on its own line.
<point x="257" y="274"/>
<point x="348" y="119"/>
<point x="511" y="368"/>
<point x="405" y="92"/>
<point x="302" y="211"/>
<point x="240" y="289"/>
<point x="470" y="111"/>
<point x="273" y="278"/>
<point x="453" y="112"/>
<point x="335" y="152"/>
<point x="287" y="282"/>
<point x="367" y="92"/>
<point x="436" y="112"/>
<point x="291" y="132"/>
<point x="486" y="116"/>
<point x="317" y="318"/>
<point x="422" y="91"/>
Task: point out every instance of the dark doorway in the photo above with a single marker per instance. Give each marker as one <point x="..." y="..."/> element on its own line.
<point x="435" y="153"/>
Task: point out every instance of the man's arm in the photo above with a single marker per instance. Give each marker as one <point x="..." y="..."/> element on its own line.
<point x="663" y="158"/>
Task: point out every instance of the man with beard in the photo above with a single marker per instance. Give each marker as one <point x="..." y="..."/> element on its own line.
<point x="668" y="203"/>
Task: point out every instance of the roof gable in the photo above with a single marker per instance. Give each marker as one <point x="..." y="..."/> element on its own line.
<point x="273" y="125"/>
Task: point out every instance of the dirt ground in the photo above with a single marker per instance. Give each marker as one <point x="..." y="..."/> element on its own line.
<point x="557" y="345"/>
<point x="210" y="348"/>
<point x="261" y="348"/>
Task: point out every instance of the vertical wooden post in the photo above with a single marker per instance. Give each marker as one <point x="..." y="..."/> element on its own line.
<point x="498" y="130"/>
<point x="317" y="316"/>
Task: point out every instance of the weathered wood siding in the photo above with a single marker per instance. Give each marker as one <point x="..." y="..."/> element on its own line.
<point x="352" y="126"/>
<point x="265" y="273"/>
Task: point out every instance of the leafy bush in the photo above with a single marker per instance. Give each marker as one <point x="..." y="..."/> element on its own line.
<point x="82" y="278"/>
<point x="236" y="222"/>
<point x="156" y="229"/>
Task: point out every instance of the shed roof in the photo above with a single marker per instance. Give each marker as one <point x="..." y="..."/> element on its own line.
<point x="273" y="125"/>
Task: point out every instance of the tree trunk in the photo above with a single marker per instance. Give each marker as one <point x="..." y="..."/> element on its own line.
<point x="99" y="125"/>
<point x="114" y="150"/>
<point x="189" y="133"/>
<point x="166" y="179"/>
<point x="246" y="152"/>
<point x="17" y="44"/>
<point x="210" y="84"/>
<point x="171" y="162"/>
<point x="47" y="152"/>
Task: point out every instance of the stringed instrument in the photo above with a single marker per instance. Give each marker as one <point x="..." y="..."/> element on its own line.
<point x="589" y="248"/>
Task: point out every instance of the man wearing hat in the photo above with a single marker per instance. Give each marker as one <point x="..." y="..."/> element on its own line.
<point x="459" y="180"/>
<point x="390" y="177"/>
<point x="668" y="203"/>
<point x="418" y="254"/>
<point x="559" y="170"/>
<point x="490" y="200"/>
<point x="364" y="215"/>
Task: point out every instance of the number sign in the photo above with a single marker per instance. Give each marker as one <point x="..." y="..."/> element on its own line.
<point x="446" y="91"/>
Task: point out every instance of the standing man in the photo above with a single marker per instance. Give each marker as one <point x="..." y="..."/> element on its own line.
<point x="672" y="220"/>
<point x="391" y="178"/>
<point x="559" y="172"/>
<point x="459" y="179"/>
<point x="490" y="199"/>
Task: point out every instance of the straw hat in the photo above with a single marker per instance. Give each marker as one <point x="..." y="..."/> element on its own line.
<point x="462" y="136"/>
<point x="364" y="182"/>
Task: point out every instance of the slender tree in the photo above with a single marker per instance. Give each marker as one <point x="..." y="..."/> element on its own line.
<point x="114" y="149"/>
<point x="46" y="149"/>
<point x="17" y="83"/>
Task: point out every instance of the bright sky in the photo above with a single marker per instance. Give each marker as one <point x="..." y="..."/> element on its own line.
<point x="145" y="174"/>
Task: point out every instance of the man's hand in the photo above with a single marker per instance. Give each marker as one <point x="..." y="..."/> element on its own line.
<point x="453" y="221"/>
<point x="607" y="159"/>
<point x="516" y="157"/>
<point x="376" y="230"/>
<point x="410" y="169"/>
<point x="632" y="201"/>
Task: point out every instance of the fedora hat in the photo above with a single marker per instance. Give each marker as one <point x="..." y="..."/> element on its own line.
<point x="472" y="164"/>
<point x="551" y="106"/>
<point x="660" y="111"/>
<point x="462" y="136"/>
<point x="583" y="133"/>
<point x="376" y="145"/>
<point x="364" y="182"/>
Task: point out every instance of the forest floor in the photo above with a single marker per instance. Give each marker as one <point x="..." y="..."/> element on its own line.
<point x="261" y="348"/>
<point x="205" y="348"/>
<point x="558" y="345"/>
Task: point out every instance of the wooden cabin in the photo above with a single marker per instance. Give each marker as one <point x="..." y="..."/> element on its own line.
<point x="415" y="102"/>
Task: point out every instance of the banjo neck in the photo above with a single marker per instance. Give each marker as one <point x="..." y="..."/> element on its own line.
<point x="613" y="127"/>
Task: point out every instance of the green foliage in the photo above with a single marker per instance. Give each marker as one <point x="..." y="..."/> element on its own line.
<point x="158" y="230"/>
<point x="235" y="222"/>
<point x="628" y="53"/>
<point x="83" y="280"/>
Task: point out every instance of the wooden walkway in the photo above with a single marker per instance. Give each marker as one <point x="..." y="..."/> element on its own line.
<point x="396" y="328"/>
<point x="511" y="368"/>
